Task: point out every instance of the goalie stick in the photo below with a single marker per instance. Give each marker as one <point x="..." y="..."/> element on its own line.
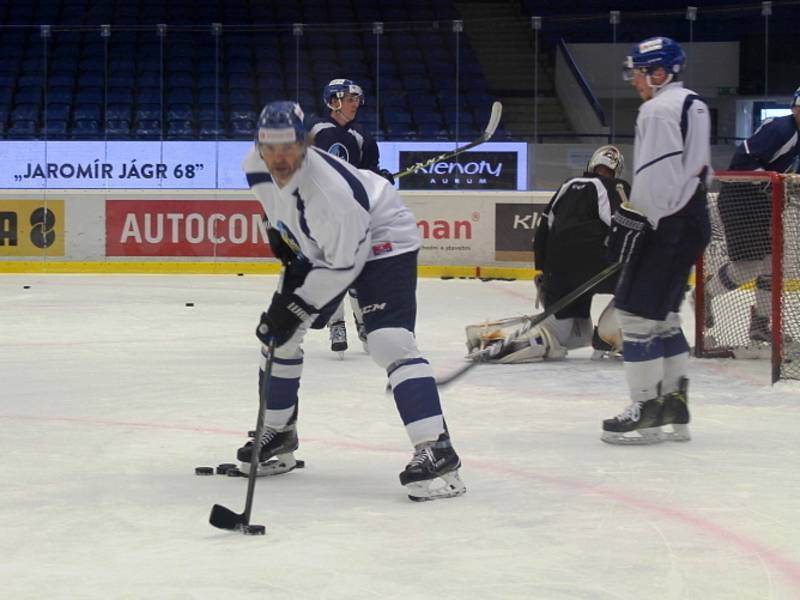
<point x="478" y="356"/>
<point x="494" y="121"/>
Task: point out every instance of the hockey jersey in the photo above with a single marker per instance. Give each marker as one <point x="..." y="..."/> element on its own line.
<point x="671" y="153"/>
<point x="572" y="229"/>
<point x="351" y="142"/>
<point x="775" y="146"/>
<point x="334" y="216"/>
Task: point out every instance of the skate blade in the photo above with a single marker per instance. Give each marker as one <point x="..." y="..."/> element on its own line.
<point x="637" y="437"/>
<point x="679" y="433"/>
<point x="282" y="463"/>
<point x="422" y="491"/>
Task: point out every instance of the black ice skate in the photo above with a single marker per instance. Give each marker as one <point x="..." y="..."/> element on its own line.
<point x="639" y="423"/>
<point x="676" y="413"/>
<point x="433" y="471"/>
<point x="338" y="333"/>
<point x="276" y="455"/>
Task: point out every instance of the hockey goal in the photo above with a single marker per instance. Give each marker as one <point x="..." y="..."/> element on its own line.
<point x="747" y="299"/>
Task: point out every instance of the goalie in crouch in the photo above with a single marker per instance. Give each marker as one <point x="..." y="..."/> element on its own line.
<point x="568" y="250"/>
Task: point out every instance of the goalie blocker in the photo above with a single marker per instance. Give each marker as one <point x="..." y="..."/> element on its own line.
<point x="551" y="340"/>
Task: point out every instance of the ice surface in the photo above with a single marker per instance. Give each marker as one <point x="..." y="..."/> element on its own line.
<point x="112" y="391"/>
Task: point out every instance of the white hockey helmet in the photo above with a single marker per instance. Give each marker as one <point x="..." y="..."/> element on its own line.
<point x="608" y="156"/>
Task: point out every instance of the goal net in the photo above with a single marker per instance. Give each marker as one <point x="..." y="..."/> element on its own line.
<point x="747" y="299"/>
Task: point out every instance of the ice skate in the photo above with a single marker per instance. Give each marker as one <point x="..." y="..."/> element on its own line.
<point x="433" y="471"/>
<point x="640" y="423"/>
<point x="338" y="333"/>
<point x="362" y="333"/>
<point x="759" y="329"/>
<point x="675" y="415"/>
<point x="276" y="455"/>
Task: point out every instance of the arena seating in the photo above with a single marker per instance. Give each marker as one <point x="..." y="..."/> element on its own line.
<point x="190" y="84"/>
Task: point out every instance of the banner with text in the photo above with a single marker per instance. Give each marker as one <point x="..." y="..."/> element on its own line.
<point x="31" y="227"/>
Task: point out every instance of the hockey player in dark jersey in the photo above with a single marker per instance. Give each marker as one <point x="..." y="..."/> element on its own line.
<point x="745" y="210"/>
<point x="568" y="251"/>
<point x="339" y="135"/>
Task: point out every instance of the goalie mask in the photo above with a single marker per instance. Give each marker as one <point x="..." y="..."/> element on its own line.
<point x="607" y="156"/>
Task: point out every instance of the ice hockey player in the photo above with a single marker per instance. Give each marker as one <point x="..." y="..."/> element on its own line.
<point x="745" y="209"/>
<point x="338" y="134"/>
<point x="336" y="227"/>
<point x="568" y="251"/>
<point x="657" y="238"/>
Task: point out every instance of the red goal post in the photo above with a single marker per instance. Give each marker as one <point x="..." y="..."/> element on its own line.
<point x="735" y="229"/>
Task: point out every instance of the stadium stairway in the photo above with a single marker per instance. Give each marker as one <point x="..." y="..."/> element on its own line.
<point x="507" y="61"/>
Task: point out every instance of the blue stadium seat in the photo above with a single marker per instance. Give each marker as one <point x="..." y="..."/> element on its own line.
<point x="180" y="129"/>
<point x="28" y="94"/>
<point x="179" y="96"/>
<point x="119" y="110"/>
<point x="87" y="112"/>
<point x="86" y="95"/>
<point x="56" y="129"/>
<point x="148" y="112"/>
<point x="25" y="112"/>
<point x="242" y="129"/>
<point x="147" y="129"/>
<point x="21" y="129"/>
<point x="59" y="93"/>
<point x="118" y="129"/>
<point x="86" y="129"/>
<point x="58" y="111"/>
<point x="179" y="111"/>
<point x="209" y="130"/>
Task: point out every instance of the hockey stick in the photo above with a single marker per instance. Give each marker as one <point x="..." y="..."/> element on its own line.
<point x="478" y="356"/>
<point x="222" y="517"/>
<point x="494" y="121"/>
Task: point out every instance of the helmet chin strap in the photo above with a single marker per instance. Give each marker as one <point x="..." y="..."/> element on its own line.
<point x="653" y="86"/>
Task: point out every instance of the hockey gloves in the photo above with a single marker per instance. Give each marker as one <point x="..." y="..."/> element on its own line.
<point x="280" y="248"/>
<point x="387" y="175"/>
<point x="283" y="317"/>
<point x="626" y="235"/>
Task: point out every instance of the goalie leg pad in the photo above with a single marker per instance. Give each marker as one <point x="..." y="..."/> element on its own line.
<point x="539" y="344"/>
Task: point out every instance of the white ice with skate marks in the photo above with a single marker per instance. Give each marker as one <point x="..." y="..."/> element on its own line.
<point x="113" y="391"/>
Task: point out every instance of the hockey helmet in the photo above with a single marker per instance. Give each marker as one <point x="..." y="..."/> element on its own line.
<point x="337" y="88"/>
<point x="280" y="122"/>
<point x="608" y="156"/>
<point x="652" y="53"/>
<point x="796" y="98"/>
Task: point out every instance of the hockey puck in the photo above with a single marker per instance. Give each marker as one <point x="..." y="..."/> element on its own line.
<point x="223" y="468"/>
<point x="301" y="464"/>
<point x="190" y="304"/>
<point x="26" y="287"/>
<point x="234" y="472"/>
<point x="204" y="470"/>
<point x="254" y="529"/>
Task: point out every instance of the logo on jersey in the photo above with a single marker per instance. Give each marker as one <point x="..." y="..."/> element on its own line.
<point x="373" y="307"/>
<point x="339" y="150"/>
<point x="382" y="248"/>
<point x="288" y="238"/>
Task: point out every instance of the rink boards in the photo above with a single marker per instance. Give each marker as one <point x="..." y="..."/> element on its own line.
<point x="464" y="233"/>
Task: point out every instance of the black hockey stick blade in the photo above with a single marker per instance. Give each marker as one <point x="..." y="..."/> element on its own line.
<point x="483" y="355"/>
<point x="491" y="127"/>
<point x="224" y="518"/>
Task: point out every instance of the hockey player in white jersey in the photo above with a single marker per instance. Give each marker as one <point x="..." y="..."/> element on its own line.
<point x="568" y="251"/>
<point x="338" y="227"/>
<point x="658" y="237"/>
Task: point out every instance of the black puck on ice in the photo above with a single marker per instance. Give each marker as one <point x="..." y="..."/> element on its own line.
<point x="26" y="287"/>
<point x="190" y="304"/>
<point x="254" y="529"/>
<point x="204" y="470"/>
<point x="234" y="472"/>
<point x="223" y="468"/>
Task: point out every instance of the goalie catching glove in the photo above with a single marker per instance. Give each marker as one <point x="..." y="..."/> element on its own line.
<point x="626" y="235"/>
<point x="285" y="315"/>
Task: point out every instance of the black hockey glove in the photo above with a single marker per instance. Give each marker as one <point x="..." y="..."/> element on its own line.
<point x="280" y="248"/>
<point x="386" y="174"/>
<point x="283" y="317"/>
<point x="626" y="236"/>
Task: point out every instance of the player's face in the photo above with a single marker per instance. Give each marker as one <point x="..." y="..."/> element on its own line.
<point x="643" y="88"/>
<point x="350" y="105"/>
<point x="282" y="160"/>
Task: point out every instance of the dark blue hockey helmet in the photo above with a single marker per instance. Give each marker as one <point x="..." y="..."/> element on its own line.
<point x="796" y="98"/>
<point x="337" y="88"/>
<point x="280" y="122"/>
<point x="652" y="53"/>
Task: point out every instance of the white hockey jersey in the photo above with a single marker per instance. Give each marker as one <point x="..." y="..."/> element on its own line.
<point x="335" y="216"/>
<point x="671" y="153"/>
